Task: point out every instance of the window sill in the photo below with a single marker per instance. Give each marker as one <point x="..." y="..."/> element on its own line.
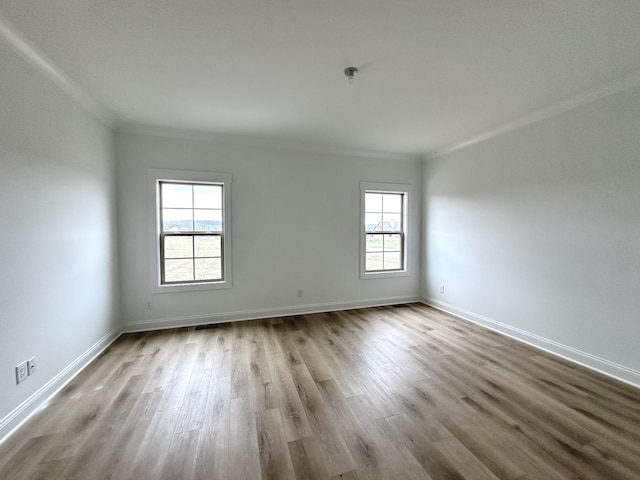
<point x="378" y="275"/>
<point x="190" y="287"/>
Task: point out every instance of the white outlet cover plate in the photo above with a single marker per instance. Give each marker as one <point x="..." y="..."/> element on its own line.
<point x="21" y="372"/>
<point x="31" y="366"/>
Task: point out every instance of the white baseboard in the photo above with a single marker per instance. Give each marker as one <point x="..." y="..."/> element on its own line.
<point x="21" y="414"/>
<point x="26" y="409"/>
<point x="601" y="365"/>
<point x="162" y="323"/>
<point x="30" y="406"/>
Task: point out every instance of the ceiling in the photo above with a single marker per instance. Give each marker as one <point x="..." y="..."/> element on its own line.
<point x="433" y="74"/>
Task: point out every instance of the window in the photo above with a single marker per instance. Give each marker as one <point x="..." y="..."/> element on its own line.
<point x="191" y="231"/>
<point x="383" y="230"/>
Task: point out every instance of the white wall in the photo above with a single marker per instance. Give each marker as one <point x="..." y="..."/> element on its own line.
<point x="295" y="225"/>
<point x="58" y="266"/>
<point x="537" y="233"/>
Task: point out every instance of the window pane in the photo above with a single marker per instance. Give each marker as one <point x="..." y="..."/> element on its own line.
<point x="208" y="246"/>
<point x="207" y="196"/>
<point x="384" y="230"/>
<point x="392" y="242"/>
<point x="392" y="222"/>
<point x="178" y="247"/>
<point x="208" y="220"/>
<point x="392" y="261"/>
<point x="191" y="241"/>
<point x="373" y="202"/>
<point x="177" y="220"/>
<point x="178" y="270"/>
<point x="176" y="195"/>
<point x="374" y="261"/>
<point x="372" y="222"/>
<point x="392" y="203"/>
<point x="374" y="243"/>
<point x="208" y="269"/>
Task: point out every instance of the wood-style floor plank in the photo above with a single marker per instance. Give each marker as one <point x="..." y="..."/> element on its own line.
<point x="212" y="455"/>
<point x="275" y="460"/>
<point x="403" y="392"/>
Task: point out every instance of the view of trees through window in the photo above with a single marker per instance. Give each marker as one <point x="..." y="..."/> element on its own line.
<point x="384" y="229"/>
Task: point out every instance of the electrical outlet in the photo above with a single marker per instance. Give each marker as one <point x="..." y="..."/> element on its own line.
<point x="149" y="305"/>
<point x="300" y="292"/>
<point x="31" y="366"/>
<point x="21" y="372"/>
<point x="441" y="288"/>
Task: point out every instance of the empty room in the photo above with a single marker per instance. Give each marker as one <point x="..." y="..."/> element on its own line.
<point x="320" y="239"/>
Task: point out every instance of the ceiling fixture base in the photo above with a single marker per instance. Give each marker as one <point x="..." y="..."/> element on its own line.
<point x="350" y="72"/>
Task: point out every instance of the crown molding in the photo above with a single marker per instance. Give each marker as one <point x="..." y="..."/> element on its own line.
<point x="38" y="60"/>
<point x="621" y="84"/>
<point x="275" y="143"/>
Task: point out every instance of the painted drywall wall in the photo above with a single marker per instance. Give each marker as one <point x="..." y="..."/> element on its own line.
<point x="58" y="265"/>
<point x="537" y="233"/>
<point x="295" y="218"/>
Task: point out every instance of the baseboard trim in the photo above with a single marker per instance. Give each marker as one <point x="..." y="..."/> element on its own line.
<point x="192" y="320"/>
<point x="15" y="419"/>
<point x="34" y="403"/>
<point x="592" y="362"/>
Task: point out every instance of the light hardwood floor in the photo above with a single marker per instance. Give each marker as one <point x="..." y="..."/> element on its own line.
<point x="403" y="392"/>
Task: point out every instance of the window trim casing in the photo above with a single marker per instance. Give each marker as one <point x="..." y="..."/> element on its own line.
<point x="377" y="187"/>
<point x="155" y="176"/>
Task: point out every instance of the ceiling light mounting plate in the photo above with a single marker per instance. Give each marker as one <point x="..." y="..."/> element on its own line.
<point x="350" y="72"/>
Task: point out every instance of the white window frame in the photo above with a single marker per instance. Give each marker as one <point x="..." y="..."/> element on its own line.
<point x="374" y="187"/>
<point x="155" y="176"/>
